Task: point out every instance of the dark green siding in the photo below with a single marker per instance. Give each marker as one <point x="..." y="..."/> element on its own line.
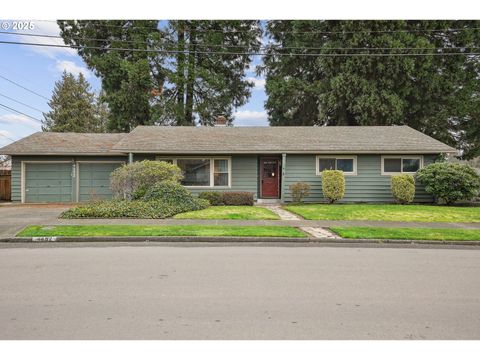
<point x="367" y="186"/>
<point x="94" y="180"/>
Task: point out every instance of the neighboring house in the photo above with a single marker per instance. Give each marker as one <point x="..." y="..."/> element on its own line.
<point x="69" y="167"/>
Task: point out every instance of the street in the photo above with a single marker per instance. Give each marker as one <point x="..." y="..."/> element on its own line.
<point x="238" y="292"/>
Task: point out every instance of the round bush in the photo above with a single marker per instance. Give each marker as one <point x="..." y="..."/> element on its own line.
<point x="403" y="188"/>
<point x="333" y="185"/>
<point x="450" y="182"/>
<point x="131" y="181"/>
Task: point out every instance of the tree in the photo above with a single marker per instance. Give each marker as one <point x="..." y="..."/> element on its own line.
<point x="174" y="73"/>
<point x="74" y="107"/>
<point x="435" y="94"/>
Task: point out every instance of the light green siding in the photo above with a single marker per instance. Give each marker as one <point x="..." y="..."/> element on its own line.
<point x="94" y="180"/>
<point x="367" y="186"/>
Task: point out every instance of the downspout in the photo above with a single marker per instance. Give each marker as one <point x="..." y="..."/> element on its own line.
<point x="130" y="158"/>
<point x="282" y="184"/>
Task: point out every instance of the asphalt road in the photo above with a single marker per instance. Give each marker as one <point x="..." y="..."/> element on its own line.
<point x="246" y="292"/>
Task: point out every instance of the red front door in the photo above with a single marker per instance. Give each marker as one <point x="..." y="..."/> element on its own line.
<point x="270" y="178"/>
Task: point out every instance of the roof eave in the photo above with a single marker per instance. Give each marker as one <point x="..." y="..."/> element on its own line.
<point x="417" y="151"/>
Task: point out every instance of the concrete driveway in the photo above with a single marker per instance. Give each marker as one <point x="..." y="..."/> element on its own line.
<point x="13" y="217"/>
<point x="250" y="292"/>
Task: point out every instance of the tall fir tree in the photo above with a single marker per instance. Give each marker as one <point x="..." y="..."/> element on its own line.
<point x="176" y="73"/>
<point x="74" y="107"/>
<point x="436" y="94"/>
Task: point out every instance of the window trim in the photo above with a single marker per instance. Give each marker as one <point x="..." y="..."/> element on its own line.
<point x="401" y="157"/>
<point x="212" y="170"/>
<point x="353" y="157"/>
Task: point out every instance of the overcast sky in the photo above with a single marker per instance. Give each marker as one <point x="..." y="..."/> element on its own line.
<point x="37" y="68"/>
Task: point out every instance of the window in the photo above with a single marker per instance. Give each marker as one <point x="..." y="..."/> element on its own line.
<point x="203" y="172"/>
<point x="401" y="164"/>
<point x="347" y="164"/>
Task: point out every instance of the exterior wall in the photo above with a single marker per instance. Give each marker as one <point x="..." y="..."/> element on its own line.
<point x="244" y="173"/>
<point x="367" y="186"/>
<point x="17" y="169"/>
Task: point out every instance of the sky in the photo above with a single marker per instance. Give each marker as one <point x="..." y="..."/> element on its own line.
<point x="38" y="68"/>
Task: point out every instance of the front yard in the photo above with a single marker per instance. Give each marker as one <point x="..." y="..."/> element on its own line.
<point x="230" y="213"/>
<point x="160" y="230"/>
<point x="420" y="213"/>
<point x="352" y="232"/>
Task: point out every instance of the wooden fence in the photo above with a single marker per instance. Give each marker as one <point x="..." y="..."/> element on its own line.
<point x="5" y="185"/>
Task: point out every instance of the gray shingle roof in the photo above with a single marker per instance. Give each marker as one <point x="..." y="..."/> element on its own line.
<point x="230" y="140"/>
<point x="301" y="139"/>
<point x="51" y="143"/>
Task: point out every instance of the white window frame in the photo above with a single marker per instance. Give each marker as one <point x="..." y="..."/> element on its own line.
<point x="353" y="157"/>
<point x="401" y="157"/>
<point x="212" y="170"/>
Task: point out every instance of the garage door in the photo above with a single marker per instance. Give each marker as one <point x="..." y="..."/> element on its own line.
<point x="50" y="182"/>
<point x="94" y="180"/>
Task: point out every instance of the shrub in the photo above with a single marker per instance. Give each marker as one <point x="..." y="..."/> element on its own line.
<point x="299" y="190"/>
<point x="450" y="182"/>
<point x="131" y="181"/>
<point x="238" y="198"/>
<point x="333" y="185"/>
<point x="130" y="209"/>
<point x="403" y="188"/>
<point x="172" y="193"/>
<point x="215" y="198"/>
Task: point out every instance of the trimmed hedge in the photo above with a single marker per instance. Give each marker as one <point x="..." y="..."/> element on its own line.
<point x="333" y="185"/>
<point x="403" y="188"/>
<point x="215" y="198"/>
<point x="299" y="191"/>
<point x="238" y="198"/>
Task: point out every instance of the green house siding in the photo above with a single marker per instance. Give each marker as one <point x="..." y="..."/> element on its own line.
<point x="369" y="185"/>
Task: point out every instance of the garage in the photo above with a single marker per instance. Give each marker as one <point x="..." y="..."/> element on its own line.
<point x="48" y="182"/>
<point x="94" y="180"/>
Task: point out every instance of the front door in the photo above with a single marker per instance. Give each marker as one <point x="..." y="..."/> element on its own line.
<point x="270" y="178"/>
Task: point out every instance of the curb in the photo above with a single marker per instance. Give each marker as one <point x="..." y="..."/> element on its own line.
<point x="191" y="239"/>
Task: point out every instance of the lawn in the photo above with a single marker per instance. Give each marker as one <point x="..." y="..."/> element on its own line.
<point x="354" y="232"/>
<point x="159" y="230"/>
<point x="230" y="213"/>
<point x="421" y="213"/>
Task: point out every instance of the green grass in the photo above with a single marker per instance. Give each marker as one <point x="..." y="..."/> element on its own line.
<point x="159" y="230"/>
<point x="421" y="213"/>
<point x="357" y="232"/>
<point x="230" y="213"/>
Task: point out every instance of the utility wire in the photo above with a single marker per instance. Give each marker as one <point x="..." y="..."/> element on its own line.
<point x="290" y="31"/>
<point x="236" y="53"/>
<point x="265" y="48"/>
<point x="23" y="87"/>
<point x="21" y="103"/>
<point x="21" y="113"/>
<point x="5" y="136"/>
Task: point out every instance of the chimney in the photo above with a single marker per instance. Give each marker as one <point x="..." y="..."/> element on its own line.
<point x="220" y="121"/>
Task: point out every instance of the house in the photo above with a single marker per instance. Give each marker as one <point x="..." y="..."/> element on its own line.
<point x="71" y="167"/>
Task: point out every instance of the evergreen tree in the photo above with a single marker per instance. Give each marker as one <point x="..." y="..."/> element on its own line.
<point x="73" y="107"/>
<point x="436" y="94"/>
<point x="181" y="80"/>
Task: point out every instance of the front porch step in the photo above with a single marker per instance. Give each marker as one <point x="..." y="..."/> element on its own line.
<point x="268" y="201"/>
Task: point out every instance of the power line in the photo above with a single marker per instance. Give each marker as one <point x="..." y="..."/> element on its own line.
<point x="23" y="87"/>
<point x="5" y="136"/>
<point x="265" y="48"/>
<point x="21" y="113"/>
<point x="237" y="53"/>
<point x="289" y="31"/>
<point x="21" y="103"/>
